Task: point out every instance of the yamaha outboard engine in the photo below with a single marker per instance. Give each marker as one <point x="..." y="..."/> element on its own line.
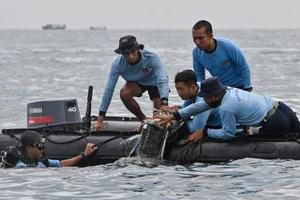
<point x="52" y="112"/>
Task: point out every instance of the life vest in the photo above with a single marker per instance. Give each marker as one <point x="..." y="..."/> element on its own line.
<point x="14" y="153"/>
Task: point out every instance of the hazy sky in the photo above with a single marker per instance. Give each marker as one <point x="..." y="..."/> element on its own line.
<point x="150" y="14"/>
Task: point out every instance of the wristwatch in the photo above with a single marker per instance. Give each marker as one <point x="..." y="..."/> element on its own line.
<point x="83" y="155"/>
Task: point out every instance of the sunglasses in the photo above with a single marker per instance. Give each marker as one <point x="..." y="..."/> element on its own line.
<point x="41" y="145"/>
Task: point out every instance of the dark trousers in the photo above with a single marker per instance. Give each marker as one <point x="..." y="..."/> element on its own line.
<point x="284" y="120"/>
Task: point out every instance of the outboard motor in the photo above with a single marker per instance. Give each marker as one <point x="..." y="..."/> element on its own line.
<point x="52" y="112"/>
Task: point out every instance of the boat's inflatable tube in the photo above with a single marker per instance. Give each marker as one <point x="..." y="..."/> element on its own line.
<point x="62" y="142"/>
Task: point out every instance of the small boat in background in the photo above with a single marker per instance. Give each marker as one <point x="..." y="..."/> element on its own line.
<point x="54" y="27"/>
<point x="98" y="28"/>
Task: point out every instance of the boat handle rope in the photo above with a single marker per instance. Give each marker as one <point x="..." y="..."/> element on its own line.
<point x="189" y="152"/>
<point x="12" y="135"/>
<point x="45" y="134"/>
<point x="293" y="137"/>
<point x="105" y="141"/>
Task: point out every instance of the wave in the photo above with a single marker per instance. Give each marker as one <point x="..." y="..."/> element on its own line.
<point x="272" y="50"/>
<point x="6" y="51"/>
<point x="42" y="50"/>
<point x="81" y="50"/>
<point x="76" y="60"/>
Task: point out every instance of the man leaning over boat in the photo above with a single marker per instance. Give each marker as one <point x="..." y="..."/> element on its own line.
<point x="187" y="88"/>
<point x="238" y="107"/>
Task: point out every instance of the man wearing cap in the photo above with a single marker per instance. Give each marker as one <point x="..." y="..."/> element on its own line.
<point x="29" y="152"/>
<point x="240" y="107"/>
<point x="142" y="70"/>
<point x="220" y="56"/>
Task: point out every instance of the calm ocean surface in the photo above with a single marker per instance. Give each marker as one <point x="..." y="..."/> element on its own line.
<point x="50" y="65"/>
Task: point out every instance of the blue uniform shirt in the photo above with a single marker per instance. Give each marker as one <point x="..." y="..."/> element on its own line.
<point x="53" y="163"/>
<point x="210" y="117"/>
<point x="227" y="62"/>
<point x="149" y="71"/>
<point x="240" y="107"/>
<point x="237" y="107"/>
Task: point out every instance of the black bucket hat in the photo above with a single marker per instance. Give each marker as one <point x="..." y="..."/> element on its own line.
<point x="211" y="87"/>
<point x="128" y="44"/>
<point x="29" y="138"/>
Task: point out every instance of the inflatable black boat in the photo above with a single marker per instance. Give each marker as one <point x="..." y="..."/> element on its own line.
<point x="65" y="141"/>
<point x="66" y="135"/>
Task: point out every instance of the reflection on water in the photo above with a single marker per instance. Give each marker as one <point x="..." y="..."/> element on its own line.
<point x="127" y="179"/>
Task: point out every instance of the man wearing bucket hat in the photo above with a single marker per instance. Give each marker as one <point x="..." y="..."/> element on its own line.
<point x="142" y="70"/>
<point x="240" y="107"/>
<point x="29" y="152"/>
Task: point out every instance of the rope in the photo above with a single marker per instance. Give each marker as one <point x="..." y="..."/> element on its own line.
<point x="189" y="152"/>
<point x="105" y="141"/>
<point x="47" y="132"/>
<point x="293" y="137"/>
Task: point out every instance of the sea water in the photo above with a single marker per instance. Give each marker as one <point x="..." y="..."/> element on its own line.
<point x="41" y="65"/>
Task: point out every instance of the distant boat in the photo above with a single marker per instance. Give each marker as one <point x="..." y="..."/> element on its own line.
<point x="54" y="26"/>
<point x="98" y="28"/>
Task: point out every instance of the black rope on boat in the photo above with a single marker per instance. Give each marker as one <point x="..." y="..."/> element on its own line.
<point x="108" y="140"/>
<point x="47" y="132"/>
<point x="189" y="152"/>
<point x="104" y="142"/>
<point x="293" y="137"/>
<point x="12" y="135"/>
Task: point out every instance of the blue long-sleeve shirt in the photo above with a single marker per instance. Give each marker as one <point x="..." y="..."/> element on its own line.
<point x="210" y="117"/>
<point x="149" y="71"/>
<point x="237" y="107"/>
<point x="240" y="107"/>
<point x="52" y="163"/>
<point x="227" y="62"/>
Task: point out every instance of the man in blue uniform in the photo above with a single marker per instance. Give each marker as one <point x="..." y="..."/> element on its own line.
<point x="220" y="56"/>
<point x="239" y="107"/>
<point x="142" y="70"/>
<point x="187" y="88"/>
<point x="29" y="152"/>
